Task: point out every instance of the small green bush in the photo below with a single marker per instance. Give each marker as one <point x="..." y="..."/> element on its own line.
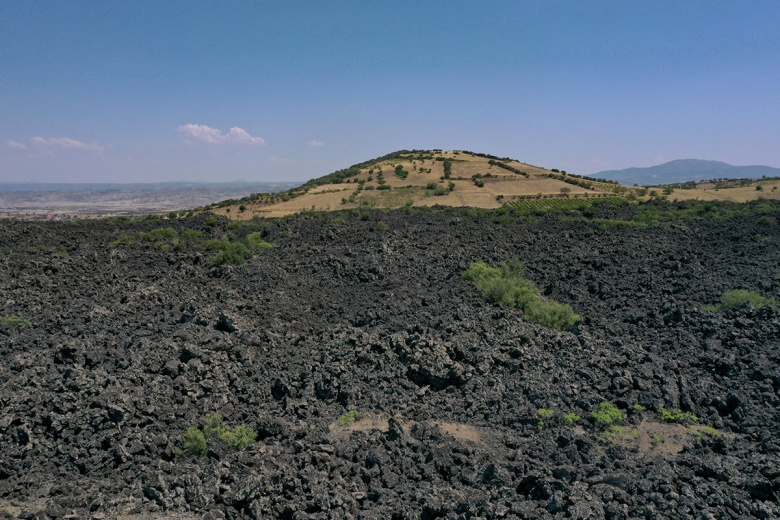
<point x="255" y="241"/>
<point x="123" y="240"/>
<point x="348" y="418"/>
<point x="738" y="297"/>
<point x="709" y="430"/>
<point x="158" y="234"/>
<point x="507" y="286"/>
<point x="15" y="321"/>
<point x="571" y="418"/>
<point x="381" y="226"/>
<point x="607" y="416"/>
<point x="240" y="437"/>
<point x="192" y="235"/>
<point x="195" y="442"/>
<point x="228" y="253"/>
<point x="676" y="415"/>
<point x="214" y="426"/>
<point x="213" y="429"/>
<point x="546" y="413"/>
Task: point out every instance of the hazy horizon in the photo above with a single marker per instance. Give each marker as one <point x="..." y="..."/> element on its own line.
<point x="201" y="92"/>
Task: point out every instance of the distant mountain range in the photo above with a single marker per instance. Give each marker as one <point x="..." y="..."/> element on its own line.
<point x="686" y="170"/>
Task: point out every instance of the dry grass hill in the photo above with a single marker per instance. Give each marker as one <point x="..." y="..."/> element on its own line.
<point x="426" y="178"/>
<point x="462" y="178"/>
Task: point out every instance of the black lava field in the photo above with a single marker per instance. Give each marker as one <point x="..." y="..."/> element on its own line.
<point x="380" y="384"/>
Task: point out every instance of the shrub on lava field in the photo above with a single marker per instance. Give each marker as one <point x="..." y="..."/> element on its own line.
<point x="676" y="415"/>
<point x="122" y="240"/>
<point x="193" y="235"/>
<point x="15" y="321"/>
<point x="607" y="416"/>
<point x="507" y="286"/>
<point x="158" y="234"/>
<point x="739" y="297"/>
<point x="196" y="440"/>
<point x="236" y="253"/>
<point x="348" y="418"/>
<point x="240" y="437"/>
<point x="228" y="253"/>
<point x="255" y="241"/>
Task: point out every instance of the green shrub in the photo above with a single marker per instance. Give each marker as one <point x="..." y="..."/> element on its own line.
<point x="709" y="430"/>
<point x="214" y="426"/>
<point x="676" y="415"/>
<point x="348" y="418"/>
<point x="381" y="226"/>
<point x="214" y="430"/>
<point x="158" y="234"/>
<point x="571" y="418"/>
<point x="738" y="297"/>
<point x="607" y="416"/>
<point x="240" y="437"/>
<point x="228" y="253"/>
<point x="195" y="442"/>
<point x="122" y="240"/>
<point x="15" y="321"/>
<point x="192" y="235"/>
<point x="255" y="241"/>
<point x="507" y="286"/>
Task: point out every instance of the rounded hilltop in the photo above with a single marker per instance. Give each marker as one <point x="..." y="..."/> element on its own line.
<point x="461" y="178"/>
<point x="454" y="178"/>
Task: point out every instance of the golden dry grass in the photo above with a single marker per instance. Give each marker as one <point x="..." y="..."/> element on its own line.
<point x="771" y="190"/>
<point x="502" y="184"/>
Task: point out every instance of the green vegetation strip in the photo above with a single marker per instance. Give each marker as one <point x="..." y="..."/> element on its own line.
<point x="15" y="321"/>
<point x="739" y="297"/>
<point x="196" y="439"/>
<point x="236" y="253"/>
<point x="507" y="286"/>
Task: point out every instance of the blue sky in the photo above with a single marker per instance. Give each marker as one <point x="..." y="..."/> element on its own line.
<point x="117" y="91"/>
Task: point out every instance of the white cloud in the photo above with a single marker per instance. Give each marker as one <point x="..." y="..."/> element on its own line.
<point x="65" y="143"/>
<point x="16" y="145"/>
<point x="314" y="142"/>
<point x="209" y="135"/>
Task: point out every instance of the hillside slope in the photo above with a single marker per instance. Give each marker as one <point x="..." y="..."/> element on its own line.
<point x="424" y="178"/>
